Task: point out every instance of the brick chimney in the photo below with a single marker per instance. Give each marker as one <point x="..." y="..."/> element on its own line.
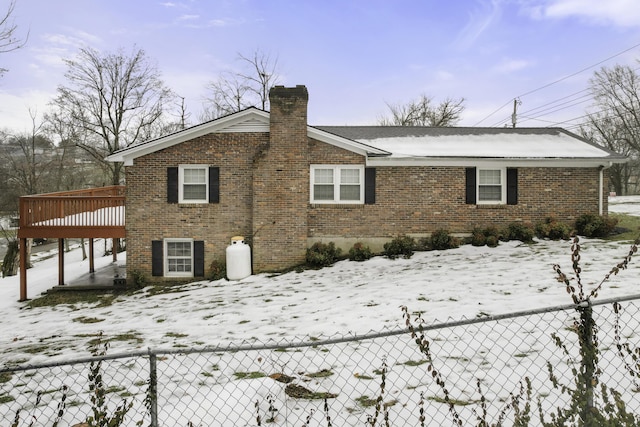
<point x="281" y="184"/>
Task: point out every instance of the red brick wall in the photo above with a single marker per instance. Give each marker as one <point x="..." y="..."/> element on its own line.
<point x="419" y="200"/>
<point x="149" y="216"/>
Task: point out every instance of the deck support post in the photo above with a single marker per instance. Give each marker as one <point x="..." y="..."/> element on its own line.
<point x="60" y="262"/>
<point x="114" y="249"/>
<point x="92" y="268"/>
<point x="23" y="268"/>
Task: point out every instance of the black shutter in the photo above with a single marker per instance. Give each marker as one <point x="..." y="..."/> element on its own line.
<point x="471" y="186"/>
<point x="198" y="258"/>
<point x="369" y="186"/>
<point x="512" y="186"/>
<point x="157" y="258"/>
<point x="214" y="184"/>
<point x="172" y="185"/>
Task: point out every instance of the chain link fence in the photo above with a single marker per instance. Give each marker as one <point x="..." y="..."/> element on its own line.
<point x="503" y="370"/>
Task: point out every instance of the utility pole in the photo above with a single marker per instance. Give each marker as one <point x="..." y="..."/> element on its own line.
<point x="516" y="102"/>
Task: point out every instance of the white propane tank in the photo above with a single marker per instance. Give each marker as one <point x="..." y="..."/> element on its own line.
<point x="238" y="259"/>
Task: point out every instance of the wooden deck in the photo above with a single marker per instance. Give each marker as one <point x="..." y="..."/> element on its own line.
<point x="91" y="213"/>
<point x="95" y="212"/>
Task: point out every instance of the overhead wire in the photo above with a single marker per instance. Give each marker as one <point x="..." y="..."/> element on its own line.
<point x="553" y="83"/>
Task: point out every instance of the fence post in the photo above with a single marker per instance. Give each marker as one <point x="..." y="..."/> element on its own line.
<point x="153" y="389"/>
<point x="589" y="360"/>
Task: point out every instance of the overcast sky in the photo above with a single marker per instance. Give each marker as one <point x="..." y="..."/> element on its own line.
<point x="353" y="55"/>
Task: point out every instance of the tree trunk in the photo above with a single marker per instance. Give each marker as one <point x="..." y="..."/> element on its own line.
<point x="84" y="250"/>
<point x="11" y="259"/>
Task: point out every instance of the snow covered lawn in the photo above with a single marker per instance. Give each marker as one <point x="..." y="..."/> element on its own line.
<point x="345" y="299"/>
<point x="348" y="297"/>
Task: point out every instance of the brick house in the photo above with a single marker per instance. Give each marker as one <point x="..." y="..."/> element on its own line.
<point x="284" y="185"/>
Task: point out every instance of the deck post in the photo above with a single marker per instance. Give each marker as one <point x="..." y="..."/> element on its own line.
<point x="60" y="262"/>
<point x="23" y="269"/>
<point x="91" y="265"/>
<point x="114" y="249"/>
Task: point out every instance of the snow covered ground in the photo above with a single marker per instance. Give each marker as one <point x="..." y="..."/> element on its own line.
<point x="347" y="298"/>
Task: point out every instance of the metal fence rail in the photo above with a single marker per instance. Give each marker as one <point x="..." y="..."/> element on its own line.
<point x="377" y="379"/>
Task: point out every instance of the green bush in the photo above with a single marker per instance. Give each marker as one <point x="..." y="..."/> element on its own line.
<point x="360" y="252"/>
<point x="591" y="225"/>
<point x="519" y="231"/>
<point x="477" y="237"/>
<point x="552" y="229"/>
<point x="494" y="231"/>
<point x="400" y="246"/>
<point x="423" y="244"/>
<point x="441" y="239"/>
<point x="322" y="254"/>
<point x="492" y="241"/>
<point x="139" y="279"/>
<point x="217" y="270"/>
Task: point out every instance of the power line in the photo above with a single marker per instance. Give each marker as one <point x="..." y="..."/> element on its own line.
<point x="558" y="81"/>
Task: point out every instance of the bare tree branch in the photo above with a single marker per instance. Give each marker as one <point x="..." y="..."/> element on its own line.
<point x="421" y="112"/>
<point x="9" y="41"/>
<point x="616" y="125"/>
<point x="235" y="91"/>
<point x="113" y="101"/>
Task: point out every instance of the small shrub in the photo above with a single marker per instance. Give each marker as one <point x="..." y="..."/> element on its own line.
<point x="217" y="270"/>
<point x="400" y="246"/>
<point x="519" y="231"/>
<point x="492" y="241"/>
<point x="552" y="229"/>
<point x="493" y="231"/>
<point x="477" y="237"/>
<point x="139" y="279"/>
<point x="591" y="225"/>
<point x="360" y="252"/>
<point x="423" y="244"/>
<point x="441" y="239"/>
<point x="322" y="254"/>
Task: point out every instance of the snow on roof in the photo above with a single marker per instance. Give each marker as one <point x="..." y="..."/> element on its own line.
<point x="523" y="143"/>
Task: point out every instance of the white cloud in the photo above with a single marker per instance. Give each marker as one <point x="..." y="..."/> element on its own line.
<point x="624" y="13"/>
<point x="14" y="108"/>
<point x="511" y="65"/>
<point x="188" y="17"/>
<point x="479" y="22"/>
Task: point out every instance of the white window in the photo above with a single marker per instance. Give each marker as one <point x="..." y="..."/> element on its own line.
<point x="491" y="186"/>
<point x="178" y="257"/>
<point x="337" y="184"/>
<point x="193" y="184"/>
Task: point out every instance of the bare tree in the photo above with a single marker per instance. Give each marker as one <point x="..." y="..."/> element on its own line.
<point x="29" y="158"/>
<point x="237" y="90"/>
<point x="616" y="92"/>
<point x="422" y="112"/>
<point x="228" y="95"/>
<point x="607" y="132"/>
<point x="9" y="41"/>
<point x="616" y="122"/>
<point x="112" y="101"/>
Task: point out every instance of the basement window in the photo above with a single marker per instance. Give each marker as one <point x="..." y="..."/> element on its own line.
<point x="178" y="257"/>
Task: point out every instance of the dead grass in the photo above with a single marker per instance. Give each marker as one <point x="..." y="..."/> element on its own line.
<point x="72" y="298"/>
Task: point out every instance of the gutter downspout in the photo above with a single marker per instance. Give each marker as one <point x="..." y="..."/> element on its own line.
<point x="601" y="169"/>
